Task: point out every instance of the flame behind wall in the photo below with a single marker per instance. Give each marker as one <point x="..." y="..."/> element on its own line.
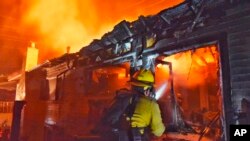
<point x="191" y="68"/>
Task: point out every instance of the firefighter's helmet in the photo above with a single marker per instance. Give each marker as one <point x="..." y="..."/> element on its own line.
<point x="143" y="78"/>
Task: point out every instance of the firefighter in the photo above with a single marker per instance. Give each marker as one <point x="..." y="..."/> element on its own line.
<point x="147" y="114"/>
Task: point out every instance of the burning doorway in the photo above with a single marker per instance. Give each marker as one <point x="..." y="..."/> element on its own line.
<point x="193" y="94"/>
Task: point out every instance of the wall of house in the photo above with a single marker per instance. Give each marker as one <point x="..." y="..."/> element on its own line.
<point x="66" y="113"/>
<point x="34" y="112"/>
<point x="239" y="56"/>
<point x="78" y="110"/>
<point x="72" y="102"/>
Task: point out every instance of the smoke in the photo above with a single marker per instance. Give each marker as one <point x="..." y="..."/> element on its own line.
<point x="55" y="24"/>
<point x="10" y="42"/>
<point x="76" y="23"/>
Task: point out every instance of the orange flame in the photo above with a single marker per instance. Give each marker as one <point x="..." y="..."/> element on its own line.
<point x="75" y="23"/>
<point x="191" y="68"/>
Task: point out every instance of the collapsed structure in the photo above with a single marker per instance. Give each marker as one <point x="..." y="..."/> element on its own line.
<point x="199" y="49"/>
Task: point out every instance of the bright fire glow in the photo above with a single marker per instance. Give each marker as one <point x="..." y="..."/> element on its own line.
<point x="75" y="23"/>
<point x="186" y="65"/>
<point x="31" y="57"/>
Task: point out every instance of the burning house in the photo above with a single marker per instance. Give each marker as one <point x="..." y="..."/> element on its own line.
<point x="198" y="50"/>
<point x="7" y="98"/>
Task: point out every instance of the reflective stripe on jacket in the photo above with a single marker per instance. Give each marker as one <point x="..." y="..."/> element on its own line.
<point x="147" y="114"/>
